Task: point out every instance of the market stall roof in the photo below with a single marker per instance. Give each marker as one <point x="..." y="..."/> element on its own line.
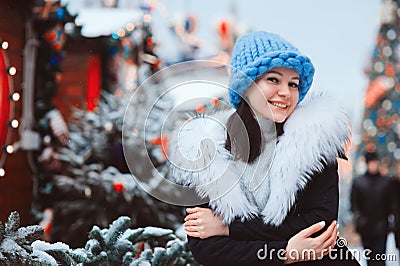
<point x="105" y="21"/>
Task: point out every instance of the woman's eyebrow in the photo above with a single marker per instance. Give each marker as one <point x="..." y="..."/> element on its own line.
<point x="280" y="74"/>
<point x="275" y="72"/>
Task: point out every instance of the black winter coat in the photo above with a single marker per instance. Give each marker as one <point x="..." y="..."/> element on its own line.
<point x="372" y="202"/>
<point x="298" y="190"/>
<point x="317" y="202"/>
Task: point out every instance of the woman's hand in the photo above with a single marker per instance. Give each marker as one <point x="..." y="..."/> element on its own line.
<point x="203" y="223"/>
<point x="303" y="247"/>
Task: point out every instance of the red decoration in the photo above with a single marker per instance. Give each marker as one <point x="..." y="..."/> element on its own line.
<point x="47" y="228"/>
<point x="5" y="106"/>
<point x="389" y="70"/>
<point x="200" y="108"/>
<point x="149" y="41"/>
<point x="225" y="33"/>
<point x="375" y="91"/>
<point x="93" y="82"/>
<point x="118" y="187"/>
<point x="56" y="37"/>
<point x="140" y="247"/>
<point x="223" y="29"/>
<point x="163" y="141"/>
<point x="215" y="102"/>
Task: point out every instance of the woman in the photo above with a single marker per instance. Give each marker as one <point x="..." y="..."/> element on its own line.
<point x="264" y="190"/>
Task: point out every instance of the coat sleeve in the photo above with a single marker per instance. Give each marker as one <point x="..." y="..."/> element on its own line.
<point x="321" y="197"/>
<point x="354" y="195"/>
<point x="222" y="250"/>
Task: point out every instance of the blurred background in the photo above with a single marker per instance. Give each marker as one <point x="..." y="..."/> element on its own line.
<point x="68" y="69"/>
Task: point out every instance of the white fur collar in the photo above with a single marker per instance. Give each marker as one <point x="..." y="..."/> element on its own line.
<point x="317" y="131"/>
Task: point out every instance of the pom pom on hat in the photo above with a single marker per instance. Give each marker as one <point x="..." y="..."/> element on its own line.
<point x="257" y="52"/>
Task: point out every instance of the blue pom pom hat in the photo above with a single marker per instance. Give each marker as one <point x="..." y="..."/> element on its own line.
<point x="257" y="52"/>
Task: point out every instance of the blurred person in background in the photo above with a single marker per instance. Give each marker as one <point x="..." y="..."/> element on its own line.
<point x="396" y="192"/>
<point x="372" y="204"/>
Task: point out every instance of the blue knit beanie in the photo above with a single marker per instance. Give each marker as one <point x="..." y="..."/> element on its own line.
<point x="257" y="52"/>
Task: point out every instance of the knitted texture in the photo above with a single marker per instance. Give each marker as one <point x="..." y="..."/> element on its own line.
<point x="257" y="52"/>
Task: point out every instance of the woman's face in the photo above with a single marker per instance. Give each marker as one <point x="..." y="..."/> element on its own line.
<point x="276" y="94"/>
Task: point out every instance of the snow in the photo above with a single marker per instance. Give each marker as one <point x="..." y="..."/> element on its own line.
<point x="105" y="21"/>
<point x="156" y="231"/>
<point x="43" y="246"/>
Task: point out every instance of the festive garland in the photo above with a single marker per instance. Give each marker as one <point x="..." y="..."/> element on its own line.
<point x="7" y="99"/>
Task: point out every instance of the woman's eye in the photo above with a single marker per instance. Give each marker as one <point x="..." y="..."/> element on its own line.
<point x="274" y="80"/>
<point x="293" y="85"/>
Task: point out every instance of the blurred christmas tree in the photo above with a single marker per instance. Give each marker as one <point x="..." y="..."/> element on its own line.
<point x="87" y="182"/>
<point x="381" y="120"/>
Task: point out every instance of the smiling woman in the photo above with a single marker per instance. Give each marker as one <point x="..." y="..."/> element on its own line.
<point x="273" y="181"/>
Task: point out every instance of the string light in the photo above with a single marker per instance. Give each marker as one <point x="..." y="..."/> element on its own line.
<point x="9" y="149"/>
<point x="114" y="36"/>
<point x="147" y="18"/>
<point x="14" y="123"/>
<point x="15" y="96"/>
<point x="4" y="45"/>
<point x="12" y="71"/>
<point x="130" y="26"/>
<point x="121" y="33"/>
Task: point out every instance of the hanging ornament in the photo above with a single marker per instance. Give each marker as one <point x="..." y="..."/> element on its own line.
<point x="58" y="126"/>
<point x="391" y="146"/>
<point x="163" y="141"/>
<point x="190" y="24"/>
<point x="225" y="32"/>
<point x="388" y="12"/>
<point x="387" y="105"/>
<point x="46" y="223"/>
<point x="56" y="37"/>
<point x="391" y="34"/>
<point x="118" y="187"/>
<point x="389" y="69"/>
<point x="60" y="14"/>
<point x="53" y="60"/>
<point x="200" y="108"/>
<point x="214" y="102"/>
<point x="375" y="90"/>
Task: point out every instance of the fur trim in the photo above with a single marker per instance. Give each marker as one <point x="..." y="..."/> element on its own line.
<point x="198" y="159"/>
<point x="316" y="132"/>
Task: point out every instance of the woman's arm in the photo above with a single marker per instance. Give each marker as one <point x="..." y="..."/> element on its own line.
<point x="221" y="250"/>
<point x="322" y="204"/>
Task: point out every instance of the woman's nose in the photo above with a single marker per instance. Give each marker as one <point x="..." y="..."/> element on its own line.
<point x="284" y="91"/>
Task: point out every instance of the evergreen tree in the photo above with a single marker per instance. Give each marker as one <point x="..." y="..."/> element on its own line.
<point x="381" y="120"/>
<point x="116" y="245"/>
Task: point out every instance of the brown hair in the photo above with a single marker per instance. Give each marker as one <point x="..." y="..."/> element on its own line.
<point x="244" y="134"/>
